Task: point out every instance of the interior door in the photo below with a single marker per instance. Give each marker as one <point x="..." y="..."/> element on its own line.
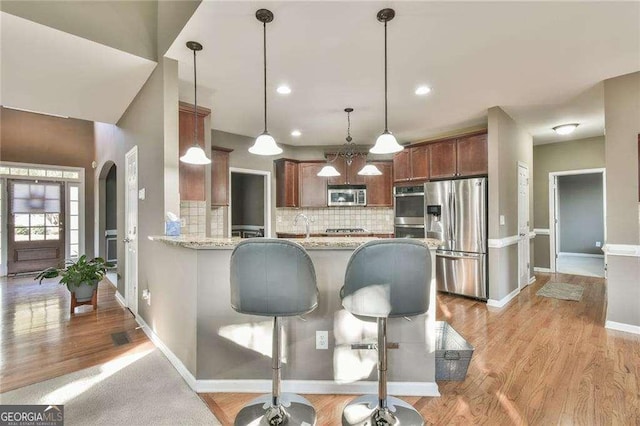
<point x="523" y="225"/>
<point x="131" y="230"/>
<point x="35" y="238"/>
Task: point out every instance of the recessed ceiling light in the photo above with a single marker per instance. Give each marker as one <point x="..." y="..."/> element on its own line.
<point x="423" y="90"/>
<point x="296" y="133"/>
<point x="284" y="89"/>
<point x="565" y="129"/>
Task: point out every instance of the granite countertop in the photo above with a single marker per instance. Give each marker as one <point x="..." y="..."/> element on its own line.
<point x="335" y="243"/>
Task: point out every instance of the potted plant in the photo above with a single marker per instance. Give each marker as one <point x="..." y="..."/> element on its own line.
<point x="81" y="278"/>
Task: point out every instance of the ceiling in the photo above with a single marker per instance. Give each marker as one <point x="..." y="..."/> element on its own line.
<point x="542" y="62"/>
<point x="50" y="71"/>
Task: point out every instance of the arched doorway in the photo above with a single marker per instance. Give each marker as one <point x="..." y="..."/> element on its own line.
<point x="108" y="212"/>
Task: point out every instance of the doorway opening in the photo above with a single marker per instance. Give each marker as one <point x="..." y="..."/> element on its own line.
<point x="577" y="222"/>
<point x="108" y="218"/>
<point x="250" y="203"/>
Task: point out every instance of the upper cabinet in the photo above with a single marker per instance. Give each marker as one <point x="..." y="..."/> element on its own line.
<point x="220" y="176"/>
<point x="411" y="164"/>
<point x="312" y="188"/>
<point x="348" y="172"/>
<point x="449" y="158"/>
<point x="287" y="183"/>
<point x="191" y="176"/>
<point x="380" y="188"/>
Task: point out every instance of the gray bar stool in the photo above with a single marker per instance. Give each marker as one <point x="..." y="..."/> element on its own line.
<point x="274" y="278"/>
<point x="385" y="279"/>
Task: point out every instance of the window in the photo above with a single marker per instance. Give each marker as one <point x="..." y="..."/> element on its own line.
<point x="74" y="220"/>
<point x="36" y="211"/>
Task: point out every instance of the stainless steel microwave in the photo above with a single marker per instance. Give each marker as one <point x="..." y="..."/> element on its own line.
<point x="346" y="195"/>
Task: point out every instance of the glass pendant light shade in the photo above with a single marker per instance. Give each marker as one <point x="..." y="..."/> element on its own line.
<point x="265" y="145"/>
<point x="195" y="155"/>
<point x="369" y="170"/>
<point x="328" y="171"/>
<point x="386" y="144"/>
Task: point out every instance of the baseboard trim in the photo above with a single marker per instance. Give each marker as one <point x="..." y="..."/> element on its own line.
<point x="539" y="269"/>
<point x="120" y="299"/>
<point x="620" y="326"/>
<point x="532" y="280"/>
<point x="569" y="254"/>
<point x="502" y="302"/>
<point x="323" y="387"/>
<point x="503" y="242"/>
<point x="173" y="359"/>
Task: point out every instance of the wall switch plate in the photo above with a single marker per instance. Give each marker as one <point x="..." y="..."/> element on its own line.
<point x="598" y="244"/>
<point x="146" y="295"/>
<point x="322" y="339"/>
<point x="142" y="194"/>
<point x="502" y="220"/>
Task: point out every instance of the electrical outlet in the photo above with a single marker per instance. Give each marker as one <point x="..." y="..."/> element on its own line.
<point x="598" y="244"/>
<point x="322" y="339"/>
<point x="142" y="194"/>
<point x="146" y="295"/>
<point x="502" y="220"/>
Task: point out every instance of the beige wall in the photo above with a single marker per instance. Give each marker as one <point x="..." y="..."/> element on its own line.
<point x="508" y="145"/>
<point x="622" y="122"/>
<point x="556" y="157"/>
<point x="41" y="139"/>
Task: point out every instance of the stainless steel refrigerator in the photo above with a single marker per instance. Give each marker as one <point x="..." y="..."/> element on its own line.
<point x="456" y="213"/>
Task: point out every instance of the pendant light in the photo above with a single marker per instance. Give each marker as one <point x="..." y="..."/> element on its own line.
<point x="265" y="144"/>
<point x="386" y="142"/>
<point x="195" y="154"/>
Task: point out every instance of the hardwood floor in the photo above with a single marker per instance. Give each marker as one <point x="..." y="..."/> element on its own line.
<point x="41" y="340"/>
<point x="537" y="361"/>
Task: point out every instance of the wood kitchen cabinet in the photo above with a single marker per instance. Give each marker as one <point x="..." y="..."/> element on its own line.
<point x="312" y="188"/>
<point x="380" y="188"/>
<point x="220" y="176"/>
<point x="287" y="187"/>
<point x="190" y="176"/>
<point x="348" y="172"/>
<point x="459" y="157"/>
<point x="411" y="164"/>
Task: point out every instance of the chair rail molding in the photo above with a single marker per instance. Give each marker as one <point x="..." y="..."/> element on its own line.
<point x="541" y="231"/>
<point x="503" y="242"/>
<point x="621" y="250"/>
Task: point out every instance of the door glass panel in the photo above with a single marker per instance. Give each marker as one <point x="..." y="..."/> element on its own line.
<point x="73" y="235"/>
<point x="21" y="220"/>
<point x="73" y="208"/>
<point x="37" y="220"/>
<point x="73" y="222"/>
<point x="73" y="250"/>
<point x="52" y="233"/>
<point x="37" y="233"/>
<point x="53" y="219"/>
<point x="21" y="234"/>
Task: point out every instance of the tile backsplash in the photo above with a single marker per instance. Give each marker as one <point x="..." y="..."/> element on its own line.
<point x="217" y="222"/>
<point x="193" y="218"/>
<point x="375" y="219"/>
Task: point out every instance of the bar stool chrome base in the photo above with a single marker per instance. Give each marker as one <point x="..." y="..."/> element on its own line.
<point x="365" y="411"/>
<point x="294" y="410"/>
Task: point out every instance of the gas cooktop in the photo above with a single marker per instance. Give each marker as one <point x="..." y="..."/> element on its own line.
<point x="346" y="231"/>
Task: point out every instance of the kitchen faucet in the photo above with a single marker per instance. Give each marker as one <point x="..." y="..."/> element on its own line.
<point x="307" y="222"/>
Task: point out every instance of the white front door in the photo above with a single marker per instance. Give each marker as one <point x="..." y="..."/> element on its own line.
<point x="523" y="225"/>
<point x="131" y="230"/>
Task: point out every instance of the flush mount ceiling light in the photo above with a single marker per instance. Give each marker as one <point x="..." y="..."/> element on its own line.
<point x="423" y="90"/>
<point x="284" y="89"/>
<point x="349" y="152"/>
<point x="565" y="129"/>
<point x="296" y="133"/>
<point x="386" y="142"/>
<point x="265" y="144"/>
<point x="195" y="154"/>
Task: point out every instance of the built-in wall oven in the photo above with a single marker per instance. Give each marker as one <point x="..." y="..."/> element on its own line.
<point x="409" y="221"/>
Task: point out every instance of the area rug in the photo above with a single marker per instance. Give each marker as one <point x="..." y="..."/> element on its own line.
<point x="562" y="291"/>
<point x="137" y="389"/>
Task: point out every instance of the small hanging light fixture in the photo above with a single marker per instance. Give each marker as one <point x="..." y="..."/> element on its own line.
<point x="265" y="143"/>
<point x="386" y="142"/>
<point x="349" y="153"/>
<point x="195" y="154"/>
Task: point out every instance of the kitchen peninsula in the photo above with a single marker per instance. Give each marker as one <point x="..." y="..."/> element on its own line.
<point x="219" y="350"/>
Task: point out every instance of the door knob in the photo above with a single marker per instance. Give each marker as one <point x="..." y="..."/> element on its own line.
<point x="127" y="240"/>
